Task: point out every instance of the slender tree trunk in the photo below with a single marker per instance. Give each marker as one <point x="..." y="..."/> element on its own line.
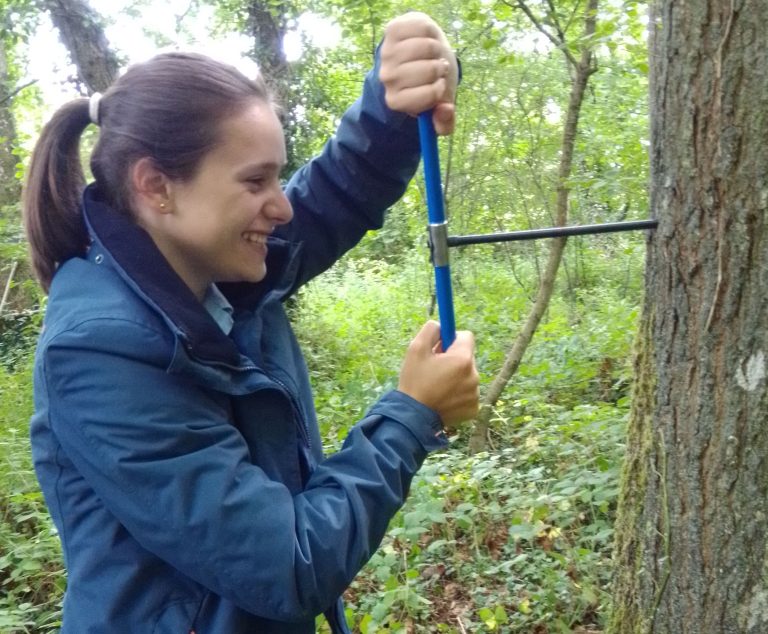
<point x="692" y="526"/>
<point x="82" y="33"/>
<point x="8" y="285"/>
<point x="10" y="188"/>
<point x="582" y="70"/>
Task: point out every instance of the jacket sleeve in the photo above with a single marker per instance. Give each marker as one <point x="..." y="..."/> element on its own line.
<point x="164" y="458"/>
<point x="361" y="172"/>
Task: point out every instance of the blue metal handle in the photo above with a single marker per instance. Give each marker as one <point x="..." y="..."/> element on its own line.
<point x="436" y="213"/>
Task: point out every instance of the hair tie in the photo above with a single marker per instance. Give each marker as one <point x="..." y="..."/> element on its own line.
<point x="93" y="107"/>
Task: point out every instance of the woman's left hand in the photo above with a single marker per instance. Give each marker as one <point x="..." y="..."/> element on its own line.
<point x="419" y="69"/>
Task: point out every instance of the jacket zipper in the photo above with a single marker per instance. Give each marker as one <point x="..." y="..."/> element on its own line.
<point x="303" y="427"/>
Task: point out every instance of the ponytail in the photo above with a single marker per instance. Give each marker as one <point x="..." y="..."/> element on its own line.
<point x="51" y="201"/>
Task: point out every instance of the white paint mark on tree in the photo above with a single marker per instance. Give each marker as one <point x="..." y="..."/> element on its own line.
<point x="749" y="375"/>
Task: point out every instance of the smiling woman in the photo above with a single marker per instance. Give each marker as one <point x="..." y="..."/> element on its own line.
<point x="174" y="434"/>
<point x="214" y="226"/>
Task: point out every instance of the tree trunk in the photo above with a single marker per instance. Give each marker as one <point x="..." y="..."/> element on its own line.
<point x="582" y="69"/>
<point x="267" y="23"/>
<point x="10" y="188"/>
<point x="692" y="524"/>
<point x="81" y="31"/>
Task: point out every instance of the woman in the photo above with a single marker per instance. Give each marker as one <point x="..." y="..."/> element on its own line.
<point x="174" y="435"/>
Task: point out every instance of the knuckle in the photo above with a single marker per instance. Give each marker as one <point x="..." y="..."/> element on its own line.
<point x="386" y="74"/>
<point x="393" y="103"/>
<point x="438" y="69"/>
<point x="415" y="18"/>
<point x="387" y="55"/>
<point x="434" y="48"/>
<point x="395" y="23"/>
<point x="467" y="363"/>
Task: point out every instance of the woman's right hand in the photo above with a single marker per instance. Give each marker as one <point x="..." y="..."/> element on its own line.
<point x="446" y="381"/>
<point x="419" y="69"/>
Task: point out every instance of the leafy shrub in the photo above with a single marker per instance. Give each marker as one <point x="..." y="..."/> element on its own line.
<point x="514" y="541"/>
<point x="18" y="334"/>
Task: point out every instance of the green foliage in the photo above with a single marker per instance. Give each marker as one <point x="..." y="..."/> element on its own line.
<point x="517" y="540"/>
<point x="31" y="573"/>
<point x="514" y="541"/>
<point x="18" y="333"/>
<point x="354" y="322"/>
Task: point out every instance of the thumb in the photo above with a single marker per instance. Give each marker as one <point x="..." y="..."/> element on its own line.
<point x="428" y="337"/>
<point x="444" y="118"/>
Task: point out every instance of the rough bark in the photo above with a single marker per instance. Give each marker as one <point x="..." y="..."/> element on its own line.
<point x="82" y="33"/>
<point x="582" y="69"/>
<point x="692" y="524"/>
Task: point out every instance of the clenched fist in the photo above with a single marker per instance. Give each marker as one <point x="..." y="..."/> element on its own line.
<point x="419" y="69"/>
<point x="445" y="381"/>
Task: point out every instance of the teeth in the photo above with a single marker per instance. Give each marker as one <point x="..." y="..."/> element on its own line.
<point x="257" y="238"/>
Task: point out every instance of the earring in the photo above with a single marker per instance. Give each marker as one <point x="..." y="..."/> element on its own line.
<point x="162" y="205"/>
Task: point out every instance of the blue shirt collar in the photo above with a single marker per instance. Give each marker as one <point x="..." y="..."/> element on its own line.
<point x="219" y="308"/>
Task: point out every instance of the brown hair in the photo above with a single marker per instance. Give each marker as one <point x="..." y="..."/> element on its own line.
<point x="167" y="108"/>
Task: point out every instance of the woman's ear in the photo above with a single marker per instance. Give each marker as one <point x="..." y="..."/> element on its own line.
<point x="151" y="190"/>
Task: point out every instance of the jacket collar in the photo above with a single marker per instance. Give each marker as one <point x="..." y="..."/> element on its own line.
<point x="141" y="264"/>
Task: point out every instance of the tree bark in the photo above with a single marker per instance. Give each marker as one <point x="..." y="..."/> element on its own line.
<point x="690" y="545"/>
<point x="583" y="68"/>
<point x="81" y="31"/>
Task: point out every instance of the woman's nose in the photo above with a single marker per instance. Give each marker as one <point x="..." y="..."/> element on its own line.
<point x="279" y="209"/>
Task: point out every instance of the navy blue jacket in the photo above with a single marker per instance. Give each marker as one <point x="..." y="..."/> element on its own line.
<point x="183" y="467"/>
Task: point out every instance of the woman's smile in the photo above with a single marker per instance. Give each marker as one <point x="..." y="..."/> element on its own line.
<point x="254" y="237"/>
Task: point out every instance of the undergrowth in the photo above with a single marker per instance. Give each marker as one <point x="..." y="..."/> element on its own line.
<point x="516" y="539"/>
<point x="32" y="578"/>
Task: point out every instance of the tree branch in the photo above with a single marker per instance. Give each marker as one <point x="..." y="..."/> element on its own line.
<point x="472" y="40"/>
<point x="8" y="284"/>
<point x="180" y="17"/>
<point x="11" y="95"/>
<point x="559" y="43"/>
<point x="555" y="22"/>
